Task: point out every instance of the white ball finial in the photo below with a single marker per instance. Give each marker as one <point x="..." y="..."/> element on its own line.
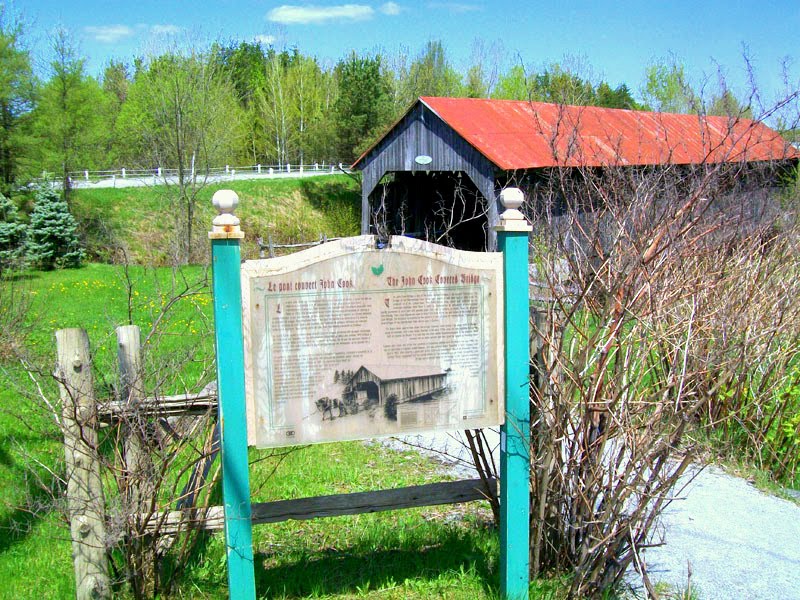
<point x="225" y="223"/>
<point x="512" y="219"/>
<point x="512" y="198"/>
<point x="225" y="201"/>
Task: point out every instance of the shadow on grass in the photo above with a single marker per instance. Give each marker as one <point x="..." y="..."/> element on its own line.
<point x="357" y="569"/>
<point x="19" y="521"/>
<point x="340" y="200"/>
<point x="20" y="276"/>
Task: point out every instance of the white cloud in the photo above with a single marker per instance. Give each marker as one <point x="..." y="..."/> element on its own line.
<point x="267" y="40"/>
<point x="456" y="7"/>
<point x="164" y="29"/>
<point x="304" y="15"/>
<point x="391" y="8"/>
<point x="109" y="34"/>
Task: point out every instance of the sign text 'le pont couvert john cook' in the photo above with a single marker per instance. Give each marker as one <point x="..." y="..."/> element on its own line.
<point x="346" y="341"/>
<point x="402" y="281"/>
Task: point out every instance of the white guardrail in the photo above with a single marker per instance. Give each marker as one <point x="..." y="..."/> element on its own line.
<point x="161" y="176"/>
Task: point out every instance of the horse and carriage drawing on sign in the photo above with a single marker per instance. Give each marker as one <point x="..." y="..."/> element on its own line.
<point x="383" y="387"/>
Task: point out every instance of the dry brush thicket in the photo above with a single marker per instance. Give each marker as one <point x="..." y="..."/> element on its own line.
<point x="672" y="316"/>
<point x="666" y="317"/>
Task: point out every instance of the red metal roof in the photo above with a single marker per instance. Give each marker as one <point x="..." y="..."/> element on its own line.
<point x="523" y="135"/>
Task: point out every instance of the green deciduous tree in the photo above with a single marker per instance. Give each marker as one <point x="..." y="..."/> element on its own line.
<point x="71" y="120"/>
<point x="484" y="69"/>
<point x="561" y="85"/>
<point x="245" y="64"/>
<point x="666" y="88"/>
<point x="726" y="104"/>
<point x="16" y="95"/>
<point x="52" y="240"/>
<point x="181" y="113"/>
<point x="294" y="105"/>
<point x="513" y="85"/>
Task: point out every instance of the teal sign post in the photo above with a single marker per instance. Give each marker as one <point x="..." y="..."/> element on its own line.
<point x="512" y="238"/>
<point x="512" y="233"/>
<point x="227" y="291"/>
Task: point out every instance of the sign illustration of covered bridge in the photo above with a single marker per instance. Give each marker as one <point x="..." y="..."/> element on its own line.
<point x="387" y="387"/>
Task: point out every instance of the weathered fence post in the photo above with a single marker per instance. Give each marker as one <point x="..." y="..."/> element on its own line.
<point x="86" y="503"/>
<point x="227" y="293"/>
<point x="512" y="237"/>
<point x="138" y="465"/>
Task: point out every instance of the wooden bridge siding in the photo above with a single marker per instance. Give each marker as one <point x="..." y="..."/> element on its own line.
<point x="363" y="375"/>
<point x="421" y="132"/>
<point x="408" y="388"/>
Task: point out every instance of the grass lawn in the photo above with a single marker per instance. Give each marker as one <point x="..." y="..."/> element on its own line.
<point x="448" y="551"/>
<point x="289" y="210"/>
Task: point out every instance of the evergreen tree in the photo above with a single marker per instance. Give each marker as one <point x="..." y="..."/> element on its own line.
<point x="12" y="236"/>
<point x="52" y="234"/>
<point x="363" y="107"/>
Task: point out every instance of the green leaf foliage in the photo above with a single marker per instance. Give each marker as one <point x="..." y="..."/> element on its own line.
<point x="363" y="106"/>
<point x="16" y="95"/>
<point x="53" y="233"/>
<point x="71" y="121"/>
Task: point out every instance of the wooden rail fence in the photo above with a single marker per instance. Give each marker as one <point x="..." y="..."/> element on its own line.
<point x="82" y="417"/>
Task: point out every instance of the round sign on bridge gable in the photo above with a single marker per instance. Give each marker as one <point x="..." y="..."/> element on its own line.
<point x="423" y="159"/>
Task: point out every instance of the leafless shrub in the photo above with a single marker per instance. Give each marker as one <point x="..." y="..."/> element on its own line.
<point x="151" y="461"/>
<point x="649" y="272"/>
<point x="15" y="302"/>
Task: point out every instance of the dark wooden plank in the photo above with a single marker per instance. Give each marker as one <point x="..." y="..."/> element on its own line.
<point x="431" y="494"/>
<point x="162" y="406"/>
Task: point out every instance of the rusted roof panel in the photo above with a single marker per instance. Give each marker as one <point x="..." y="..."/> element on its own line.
<point x="525" y="135"/>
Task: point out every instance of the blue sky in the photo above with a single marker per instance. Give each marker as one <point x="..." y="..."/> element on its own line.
<point x="618" y="39"/>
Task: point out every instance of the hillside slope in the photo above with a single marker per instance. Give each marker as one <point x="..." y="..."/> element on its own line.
<point x="139" y="224"/>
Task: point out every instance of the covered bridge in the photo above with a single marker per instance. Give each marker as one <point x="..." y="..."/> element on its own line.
<point x="446" y="159"/>
<point x="376" y="384"/>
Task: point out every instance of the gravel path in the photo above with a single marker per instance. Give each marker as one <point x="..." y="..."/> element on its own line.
<point x="740" y="542"/>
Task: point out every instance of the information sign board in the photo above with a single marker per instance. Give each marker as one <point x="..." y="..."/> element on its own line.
<point x="349" y="341"/>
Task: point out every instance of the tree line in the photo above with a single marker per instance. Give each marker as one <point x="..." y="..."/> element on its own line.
<point x="189" y="107"/>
